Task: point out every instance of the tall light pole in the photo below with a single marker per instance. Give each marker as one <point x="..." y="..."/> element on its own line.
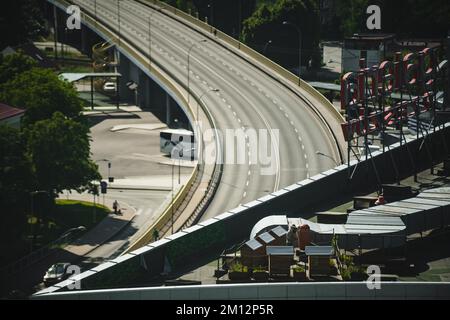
<point x="286" y="23"/>
<point x="180" y="155"/>
<point x="118" y="21"/>
<point x="239" y="22"/>
<point x="201" y="97"/>
<point x="189" y="68"/>
<point x="150" y="41"/>
<point x="95" y="13"/>
<point x="266" y="45"/>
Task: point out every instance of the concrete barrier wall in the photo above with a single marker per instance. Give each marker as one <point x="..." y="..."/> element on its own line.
<point x="269" y="291"/>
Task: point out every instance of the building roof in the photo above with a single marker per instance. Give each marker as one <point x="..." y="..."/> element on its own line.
<point x="280" y="251"/>
<point x="266" y="237"/>
<point x="279" y="231"/>
<point x="253" y="244"/>
<point x="372" y="36"/>
<point x="73" y="77"/>
<point x="7" y="112"/>
<point x="319" y="251"/>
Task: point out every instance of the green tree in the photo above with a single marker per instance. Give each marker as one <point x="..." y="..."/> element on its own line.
<point x="41" y="93"/>
<point x="267" y="24"/>
<point x="13" y="65"/>
<point x="16" y="181"/>
<point x="352" y="15"/>
<point x="59" y="149"/>
<point x="227" y="16"/>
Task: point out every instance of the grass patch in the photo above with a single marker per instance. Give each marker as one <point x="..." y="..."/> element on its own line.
<point x="66" y="68"/>
<point x="68" y="214"/>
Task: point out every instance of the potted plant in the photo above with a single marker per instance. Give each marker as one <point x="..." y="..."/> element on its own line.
<point x="260" y="274"/>
<point x="358" y="274"/>
<point x="238" y="272"/>
<point x="299" y="273"/>
<point x="333" y="267"/>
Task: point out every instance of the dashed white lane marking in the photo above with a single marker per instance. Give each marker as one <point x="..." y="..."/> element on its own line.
<point x="249" y="173"/>
<point x="248" y="182"/>
<point x="239" y="120"/>
<point x="305" y="156"/>
<point x="245" y="194"/>
<point x="307" y="166"/>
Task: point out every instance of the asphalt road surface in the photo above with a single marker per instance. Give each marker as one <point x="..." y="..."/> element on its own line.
<point x="248" y="98"/>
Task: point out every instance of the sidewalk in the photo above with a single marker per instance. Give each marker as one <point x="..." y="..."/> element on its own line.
<point x="105" y="230"/>
<point x="153" y="183"/>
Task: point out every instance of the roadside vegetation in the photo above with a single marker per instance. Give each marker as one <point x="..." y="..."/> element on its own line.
<point x="256" y="22"/>
<point x="48" y="154"/>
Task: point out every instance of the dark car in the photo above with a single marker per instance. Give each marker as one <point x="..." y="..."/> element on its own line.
<point x="56" y="273"/>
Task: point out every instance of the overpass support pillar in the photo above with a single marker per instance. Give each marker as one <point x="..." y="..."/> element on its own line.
<point x="168" y="111"/>
<point x="124" y="69"/>
<point x="447" y="90"/>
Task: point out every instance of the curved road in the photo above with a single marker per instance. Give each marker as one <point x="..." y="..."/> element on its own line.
<point x="248" y="98"/>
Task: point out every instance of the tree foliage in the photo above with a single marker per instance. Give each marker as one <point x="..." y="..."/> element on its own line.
<point x="20" y="21"/>
<point x="59" y="149"/>
<point x="13" y="65"/>
<point x="16" y="181"/>
<point x="267" y="24"/>
<point x="41" y="93"/>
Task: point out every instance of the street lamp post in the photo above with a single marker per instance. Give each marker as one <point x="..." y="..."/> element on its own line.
<point x="201" y="97"/>
<point x="150" y="41"/>
<point x="118" y="21"/>
<point x="188" y="66"/>
<point x="266" y="45"/>
<point x="286" y="23"/>
<point x="109" y="165"/>
<point x="95" y="12"/>
<point x="329" y="157"/>
<point x="180" y="151"/>
<point x="180" y="155"/>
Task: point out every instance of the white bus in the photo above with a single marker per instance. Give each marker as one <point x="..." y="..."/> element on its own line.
<point x="183" y="139"/>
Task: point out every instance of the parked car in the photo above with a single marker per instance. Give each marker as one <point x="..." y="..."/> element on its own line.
<point x="109" y="87"/>
<point x="56" y="273"/>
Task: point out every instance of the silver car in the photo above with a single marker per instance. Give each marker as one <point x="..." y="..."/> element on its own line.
<point x="56" y="273"/>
